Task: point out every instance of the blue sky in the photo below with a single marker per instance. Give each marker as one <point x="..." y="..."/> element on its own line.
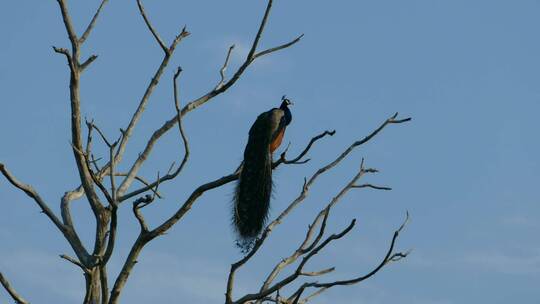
<point x="468" y="73"/>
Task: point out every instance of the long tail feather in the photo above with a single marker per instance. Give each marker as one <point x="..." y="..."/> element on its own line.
<point x="254" y="188"/>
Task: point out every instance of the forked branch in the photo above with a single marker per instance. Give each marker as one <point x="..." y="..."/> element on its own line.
<point x="291" y="278"/>
<point x="173" y="174"/>
<point x="298" y="159"/>
<point x="144" y="100"/>
<point x="321" y="218"/>
<point x="390" y="256"/>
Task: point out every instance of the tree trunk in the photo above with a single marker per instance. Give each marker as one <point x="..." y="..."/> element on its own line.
<point x="93" y="287"/>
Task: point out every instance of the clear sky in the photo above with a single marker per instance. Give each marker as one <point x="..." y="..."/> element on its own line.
<point x="466" y="167"/>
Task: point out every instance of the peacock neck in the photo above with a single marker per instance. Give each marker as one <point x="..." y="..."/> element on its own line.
<point x="288" y="114"/>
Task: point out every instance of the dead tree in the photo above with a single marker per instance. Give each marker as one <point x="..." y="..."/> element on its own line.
<point x="105" y="188"/>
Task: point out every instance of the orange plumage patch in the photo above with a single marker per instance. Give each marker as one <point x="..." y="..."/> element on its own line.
<point x="277" y="141"/>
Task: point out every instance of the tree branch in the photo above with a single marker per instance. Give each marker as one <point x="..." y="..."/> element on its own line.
<point x="301" y="250"/>
<point x="391" y="120"/>
<point x="82" y="160"/>
<point x="87" y="62"/>
<point x="224" y="68"/>
<point x="311" y="296"/>
<point x="318" y="273"/>
<point x="372" y="187"/>
<point x="388" y="258"/>
<point x="282" y="158"/>
<point x="277" y="48"/>
<point x="151" y="28"/>
<point x="322" y="217"/>
<point x="137" y="115"/>
<point x="66" y="53"/>
<point x="185" y="142"/>
<point x="113" y="201"/>
<point x="180" y="126"/>
<point x="76" y="139"/>
<point x="16" y="297"/>
<point x="297" y="296"/>
<point x="65" y="202"/>
<point x="90" y="26"/>
<point x="147" y="185"/>
<point x="29" y="190"/>
<point x="67" y="23"/>
<point x="71" y="235"/>
<point x="75" y="262"/>
<point x="104" y="284"/>
<point x="112" y="235"/>
<point x="137" y="205"/>
<point x="130" y="262"/>
<point x="296" y="274"/>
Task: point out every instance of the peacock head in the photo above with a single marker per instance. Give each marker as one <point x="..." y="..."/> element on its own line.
<point x="285" y="102"/>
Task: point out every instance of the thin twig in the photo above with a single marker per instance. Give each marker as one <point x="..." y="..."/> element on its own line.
<point x="224" y="68"/>
<point x="277" y="48"/>
<point x="92" y="23"/>
<point x="151" y="28"/>
<point x="87" y="62"/>
<point x="372" y="187"/>
<point x="143" y="181"/>
<point x="97" y="181"/>
<point x="318" y="273"/>
<point x="75" y="262"/>
<point x="298" y="296"/>
<point x="66" y="53"/>
<point x="297" y="159"/>
<point x="180" y="125"/>
<point x="145" y="200"/>
<point x="314" y="294"/>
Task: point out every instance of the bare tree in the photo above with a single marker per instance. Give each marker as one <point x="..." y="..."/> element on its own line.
<point x="105" y="188"/>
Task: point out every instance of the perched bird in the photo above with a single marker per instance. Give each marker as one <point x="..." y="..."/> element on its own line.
<point x="254" y="188"/>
